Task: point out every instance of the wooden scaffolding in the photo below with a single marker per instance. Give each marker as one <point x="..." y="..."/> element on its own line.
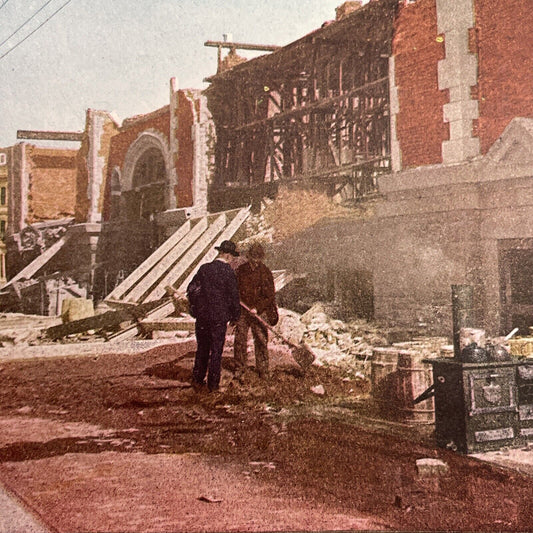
<point x="315" y="111"/>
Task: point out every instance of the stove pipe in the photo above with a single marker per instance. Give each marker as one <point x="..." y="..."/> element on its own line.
<point x="462" y="313"/>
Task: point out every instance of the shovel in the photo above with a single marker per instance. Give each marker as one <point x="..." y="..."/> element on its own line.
<point x="301" y="353"/>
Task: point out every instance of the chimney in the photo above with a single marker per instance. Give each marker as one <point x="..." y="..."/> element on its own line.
<point x="348" y="7"/>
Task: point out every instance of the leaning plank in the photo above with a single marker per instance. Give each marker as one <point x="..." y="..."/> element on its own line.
<point x="39" y="262"/>
<point x="227" y="234"/>
<point x="108" y="320"/>
<point x="168" y="308"/>
<point x="119" y="291"/>
<point x="189" y="258"/>
<point x="161" y="311"/>
<point x="152" y="278"/>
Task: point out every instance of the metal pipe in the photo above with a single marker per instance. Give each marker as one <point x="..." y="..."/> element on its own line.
<point x="462" y="313"/>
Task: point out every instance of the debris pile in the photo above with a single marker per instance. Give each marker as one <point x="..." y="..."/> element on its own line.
<point x="21" y="329"/>
<point x="333" y="341"/>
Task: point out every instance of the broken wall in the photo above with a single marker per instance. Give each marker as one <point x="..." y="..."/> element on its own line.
<point x="52" y="183"/>
<point x="92" y="165"/>
<point x="41" y="185"/>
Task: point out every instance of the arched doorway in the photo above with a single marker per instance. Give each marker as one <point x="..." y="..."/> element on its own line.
<point x="145" y="178"/>
<point x="148" y="185"/>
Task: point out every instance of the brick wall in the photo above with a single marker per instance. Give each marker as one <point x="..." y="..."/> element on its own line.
<point x="185" y="156"/>
<point x="119" y="145"/>
<point x="52" y="183"/>
<point x="504" y="42"/>
<point x="417" y="49"/>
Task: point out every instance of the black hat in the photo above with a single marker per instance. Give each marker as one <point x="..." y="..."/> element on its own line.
<point x="227" y="247"/>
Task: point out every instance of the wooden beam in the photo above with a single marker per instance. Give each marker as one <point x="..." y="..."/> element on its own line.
<point x="243" y="46"/>
<point x="161" y="311"/>
<point x="162" y="266"/>
<point x="227" y="234"/>
<point x="38" y="262"/>
<point x="51" y="135"/>
<point x="189" y="258"/>
<point x="119" y="291"/>
<point x="167" y="309"/>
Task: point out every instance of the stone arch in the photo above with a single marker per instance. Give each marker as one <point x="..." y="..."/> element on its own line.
<point x="146" y="183"/>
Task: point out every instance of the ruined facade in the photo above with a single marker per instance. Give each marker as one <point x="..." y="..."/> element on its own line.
<point x="426" y="105"/>
<point x="81" y="220"/>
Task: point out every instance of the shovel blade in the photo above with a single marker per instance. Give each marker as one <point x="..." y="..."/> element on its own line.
<point x="303" y="356"/>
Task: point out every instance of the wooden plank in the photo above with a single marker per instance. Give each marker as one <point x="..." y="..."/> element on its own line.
<point x="162" y="311"/>
<point x="243" y="46"/>
<point x="167" y="309"/>
<point x="38" y="262"/>
<point x="189" y="258"/>
<point x="110" y="319"/>
<point x="119" y="291"/>
<point x="51" y="135"/>
<point x="152" y="278"/>
<point x="169" y="324"/>
<point x="227" y="234"/>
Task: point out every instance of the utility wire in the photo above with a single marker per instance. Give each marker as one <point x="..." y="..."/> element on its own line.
<point x="4" y="3"/>
<point x="24" y="24"/>
<point x="38" y="27"/>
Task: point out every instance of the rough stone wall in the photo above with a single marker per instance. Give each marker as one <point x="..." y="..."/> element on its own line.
<point x="504" y="41"/>
<point x="52" y="183"/>
<point x="417" y="48"/>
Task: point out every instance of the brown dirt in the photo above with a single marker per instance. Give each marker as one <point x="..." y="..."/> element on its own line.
<point x="120" y="443"/>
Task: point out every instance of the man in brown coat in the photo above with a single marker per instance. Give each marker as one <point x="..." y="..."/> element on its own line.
<point x="256" y="290"/>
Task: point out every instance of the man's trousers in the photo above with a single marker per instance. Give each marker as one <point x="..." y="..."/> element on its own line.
<point x="210" y="338"/>
<point x="260" y="336"/>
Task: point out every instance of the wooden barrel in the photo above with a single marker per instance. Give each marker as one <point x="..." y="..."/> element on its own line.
<point x="414" y="377"/>
<point x="383" y="376"/>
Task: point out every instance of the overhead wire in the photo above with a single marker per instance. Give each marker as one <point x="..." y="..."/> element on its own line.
<point x="26" y="22"/>
<point x="3" y="3"/>
<point x="36" y="29"/>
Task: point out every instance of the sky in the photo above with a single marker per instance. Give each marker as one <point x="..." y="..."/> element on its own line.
<point x="119" y="55"/>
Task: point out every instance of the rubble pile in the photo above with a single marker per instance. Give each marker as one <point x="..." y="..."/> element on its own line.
<point x="333" y="341"/>
<point x="21" y="329"/>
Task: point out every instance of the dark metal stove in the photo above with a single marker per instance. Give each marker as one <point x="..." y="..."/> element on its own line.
<point x="482" y="406"/>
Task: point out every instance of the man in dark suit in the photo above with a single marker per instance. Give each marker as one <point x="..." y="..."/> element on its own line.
<point x="216" y="304"/>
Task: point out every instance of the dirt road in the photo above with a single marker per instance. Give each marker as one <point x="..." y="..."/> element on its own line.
<point x="121" y="442"/>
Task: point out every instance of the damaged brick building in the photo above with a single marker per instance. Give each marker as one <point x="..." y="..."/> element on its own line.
<point x="420" y="109"/>
<point x="80" y="220"/>
<point x="425" y="105"/>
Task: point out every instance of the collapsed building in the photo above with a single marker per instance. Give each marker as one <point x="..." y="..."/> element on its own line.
<point x="426" y="108"/>
<point x="81" y="220"/>
<point x="421" y="108"/>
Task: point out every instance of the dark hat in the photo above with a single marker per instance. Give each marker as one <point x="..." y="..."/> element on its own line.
<point x="256" y="251"/>
<point x="227" y="247"/>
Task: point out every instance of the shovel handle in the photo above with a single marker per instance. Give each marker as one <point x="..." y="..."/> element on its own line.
<point x="265" y="323"/>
